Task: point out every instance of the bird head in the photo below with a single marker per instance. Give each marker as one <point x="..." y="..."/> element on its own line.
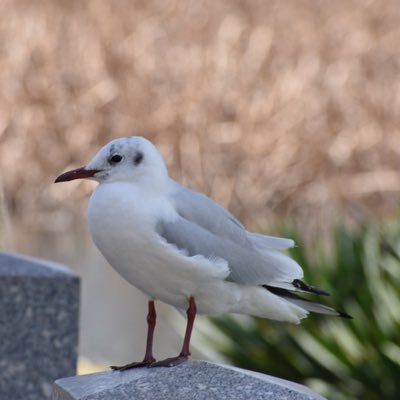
<point x="127" y="159"/>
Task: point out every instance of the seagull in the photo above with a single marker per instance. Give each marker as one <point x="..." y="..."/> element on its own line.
<point x="180" y="247"/>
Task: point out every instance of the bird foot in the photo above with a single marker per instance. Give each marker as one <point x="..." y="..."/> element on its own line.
<point x="137" y="364"/>
<point x="169" y="362"/>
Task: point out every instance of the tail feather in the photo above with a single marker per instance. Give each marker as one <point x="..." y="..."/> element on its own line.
<point x="305" y="303"/>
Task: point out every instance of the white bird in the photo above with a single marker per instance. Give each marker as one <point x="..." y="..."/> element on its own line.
<point x="180" y="247"/>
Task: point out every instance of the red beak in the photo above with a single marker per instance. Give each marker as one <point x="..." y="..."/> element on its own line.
<point x="79" y="173"/>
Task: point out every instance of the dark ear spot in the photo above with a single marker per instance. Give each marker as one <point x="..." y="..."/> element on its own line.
<point x="138" y="158"/>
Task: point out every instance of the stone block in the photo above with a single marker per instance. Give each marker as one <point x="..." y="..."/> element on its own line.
<point x="39" y="310"/>
<point x="198" y="380"/>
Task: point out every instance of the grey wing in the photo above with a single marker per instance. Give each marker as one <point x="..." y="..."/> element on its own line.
<point x="264" y="242"/>
<point x="204" y="227"/>
<point x="203" y="211"/>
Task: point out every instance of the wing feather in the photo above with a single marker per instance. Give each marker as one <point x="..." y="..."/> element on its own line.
<point x="204" y="227"/>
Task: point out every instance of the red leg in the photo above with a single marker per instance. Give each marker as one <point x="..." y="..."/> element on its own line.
<point x="148" y="358"/>
<point x="185" y="353"/>
<point x="151" y="322"/>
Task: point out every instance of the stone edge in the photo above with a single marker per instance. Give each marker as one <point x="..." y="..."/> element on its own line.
<point x="39" y="261"/>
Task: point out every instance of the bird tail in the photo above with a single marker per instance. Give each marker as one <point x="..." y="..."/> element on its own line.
<point x="305" y="303"/>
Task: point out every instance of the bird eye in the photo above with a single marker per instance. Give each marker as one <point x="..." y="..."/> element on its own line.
<point x="115" y="158"/>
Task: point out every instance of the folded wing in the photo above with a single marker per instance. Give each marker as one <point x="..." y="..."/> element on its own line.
<point x="204" y="227"/>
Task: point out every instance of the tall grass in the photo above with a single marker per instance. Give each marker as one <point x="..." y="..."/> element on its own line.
<point x="340" y="358"/>
<point x="286" y="106"/>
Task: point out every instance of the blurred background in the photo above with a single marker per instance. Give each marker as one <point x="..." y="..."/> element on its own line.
<point x="285" y="112"/>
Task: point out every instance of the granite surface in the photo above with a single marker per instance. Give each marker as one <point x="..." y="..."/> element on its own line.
<point x="39" y="310"/>
<point x="198" y="380"/>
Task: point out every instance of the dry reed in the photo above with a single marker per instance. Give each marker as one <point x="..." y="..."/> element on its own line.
<point x="273" y="108"/>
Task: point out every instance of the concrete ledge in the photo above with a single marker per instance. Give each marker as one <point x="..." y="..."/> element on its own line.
<point x="198" y="380"/>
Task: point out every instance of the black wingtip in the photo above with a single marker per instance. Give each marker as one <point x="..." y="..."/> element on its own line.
<point x="297" y="283"/>
<point x="344" y="315"/>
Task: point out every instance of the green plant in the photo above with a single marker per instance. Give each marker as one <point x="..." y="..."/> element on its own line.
<point x="339" y="358"/>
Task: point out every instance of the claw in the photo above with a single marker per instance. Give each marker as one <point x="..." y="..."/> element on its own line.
<point x="169" y="362"/>
<point x="137" y="364"/>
